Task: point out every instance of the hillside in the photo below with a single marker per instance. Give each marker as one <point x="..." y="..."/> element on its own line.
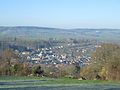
<point x="35" y="33"/>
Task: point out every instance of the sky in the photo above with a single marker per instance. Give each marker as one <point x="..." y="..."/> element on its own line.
<point x="61" y="13"/>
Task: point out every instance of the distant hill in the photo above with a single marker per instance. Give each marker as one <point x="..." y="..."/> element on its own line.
<point x="35" y="33"/>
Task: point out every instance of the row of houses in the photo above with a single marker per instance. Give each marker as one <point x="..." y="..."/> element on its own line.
<point x="69" y="54"/>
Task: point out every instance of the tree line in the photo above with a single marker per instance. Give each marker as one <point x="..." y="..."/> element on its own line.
<point x="12" y="65"/>
<point x="104" y="64"/>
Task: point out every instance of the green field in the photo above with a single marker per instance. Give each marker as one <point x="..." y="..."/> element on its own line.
<point x="16" y="82"/>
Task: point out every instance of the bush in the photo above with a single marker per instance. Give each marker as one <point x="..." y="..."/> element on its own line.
<point x="37" y="71"/>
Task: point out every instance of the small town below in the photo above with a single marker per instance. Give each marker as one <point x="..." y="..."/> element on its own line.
<point x="54" y="54"/>
<point x="59" y="44"/>
<point x="58" y="61"/>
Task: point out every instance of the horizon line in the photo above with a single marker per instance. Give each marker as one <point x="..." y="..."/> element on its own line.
<point x="53" y="27"/>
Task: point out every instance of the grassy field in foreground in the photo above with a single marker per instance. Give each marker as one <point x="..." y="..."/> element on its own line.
<point x="12" y="82"/>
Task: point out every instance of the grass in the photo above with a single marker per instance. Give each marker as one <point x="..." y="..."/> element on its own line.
<point x="14" y="78"/>
<point x="44" y="81"/>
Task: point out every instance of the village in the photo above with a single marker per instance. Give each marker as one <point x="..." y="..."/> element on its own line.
<point x="66" y="54"/>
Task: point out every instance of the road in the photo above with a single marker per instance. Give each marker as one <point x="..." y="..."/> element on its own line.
<point x="74" y="87"/>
